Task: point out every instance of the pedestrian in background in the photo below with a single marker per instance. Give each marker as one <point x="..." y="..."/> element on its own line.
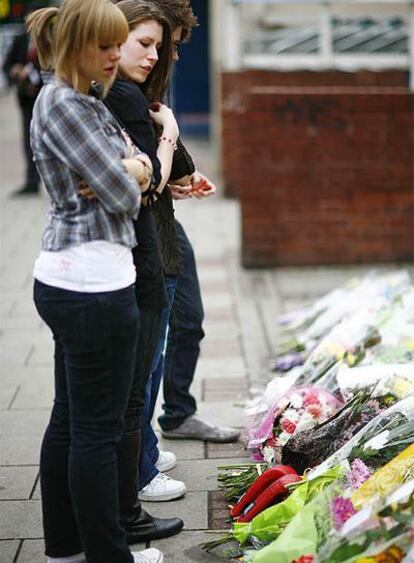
<point x="84" y="279"/>
<point x="21" y="66"/>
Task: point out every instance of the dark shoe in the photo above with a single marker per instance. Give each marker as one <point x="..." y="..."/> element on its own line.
<point x="195" y="428"/>
<point x="142" y="527"/>
<point x="138" y="524"/>
<point x="26" y="190"/>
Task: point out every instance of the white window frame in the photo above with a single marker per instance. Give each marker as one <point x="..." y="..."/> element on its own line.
<point x="235" y="59"/>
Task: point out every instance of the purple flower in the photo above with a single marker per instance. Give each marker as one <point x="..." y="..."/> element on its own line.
<point x="342" y="510"/>
<point x="359" y="474"/>
<point x="288" y="361"/>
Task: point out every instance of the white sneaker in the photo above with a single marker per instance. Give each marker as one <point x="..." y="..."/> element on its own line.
<point x="150" y="555"/>
<point x="162" y="488"/>
<point x="166" y="461"/>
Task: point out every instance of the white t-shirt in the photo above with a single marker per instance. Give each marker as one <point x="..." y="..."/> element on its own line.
<point x="91" y="267"/>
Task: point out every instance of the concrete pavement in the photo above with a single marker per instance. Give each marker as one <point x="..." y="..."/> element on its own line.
<point x="240" y="308"/>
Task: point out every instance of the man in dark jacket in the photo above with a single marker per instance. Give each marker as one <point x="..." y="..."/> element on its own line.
<point x="22" y="69"/>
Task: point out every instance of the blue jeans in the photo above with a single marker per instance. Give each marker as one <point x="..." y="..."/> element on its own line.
<point x="183" y="341"/>
<point x="95" y="340"/>
<point x="149" y="445"/>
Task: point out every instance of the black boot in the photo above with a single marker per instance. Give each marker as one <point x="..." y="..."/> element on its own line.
<point x="138" y="524"/>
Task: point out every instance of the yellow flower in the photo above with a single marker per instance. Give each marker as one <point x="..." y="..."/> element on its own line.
<point x="385" y="480"/>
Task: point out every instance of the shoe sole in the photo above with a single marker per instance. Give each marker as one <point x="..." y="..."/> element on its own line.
<point x="166" y="467"/>
<point x="161" y="498"/>
<point x="160" y="559"/>
<point x="217" y="440"/>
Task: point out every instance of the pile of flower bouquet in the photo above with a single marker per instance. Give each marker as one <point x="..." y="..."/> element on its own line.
<point x="332" y="436"/>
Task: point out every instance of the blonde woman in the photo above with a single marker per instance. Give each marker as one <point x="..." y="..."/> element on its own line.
<point x="84" y="280"/>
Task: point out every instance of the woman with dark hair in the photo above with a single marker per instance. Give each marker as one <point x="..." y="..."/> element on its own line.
<point x="84" y="280"/>
<point x="185" y="316"/>
<point x="144" y="72"/>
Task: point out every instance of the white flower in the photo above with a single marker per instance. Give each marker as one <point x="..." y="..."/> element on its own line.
<point x="292" y="415"/>
<point x="378" y="442"/>
<point x="268" y="454"/>
<point x="296" y="401"/>
<point x="283" y="438"/>
<point x="306" y="421"/>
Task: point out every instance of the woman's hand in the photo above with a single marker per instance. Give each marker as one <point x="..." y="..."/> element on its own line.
<point x="146" y="173"/>
<point x="85" y="191"/>
<point x="180" y="192"/>
<point x="131" y="149"/>
<point x="140" y="168"/>
<point x="163" y="116"/>
<point x="201" y="186"/>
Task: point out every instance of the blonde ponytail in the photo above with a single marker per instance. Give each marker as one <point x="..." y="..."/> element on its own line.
<point x="41" y="24"/>
<point x="62" y="35"/>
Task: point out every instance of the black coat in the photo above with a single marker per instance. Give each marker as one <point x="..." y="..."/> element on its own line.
<point x="18" y="54"/>
<point x="131" y="107"/>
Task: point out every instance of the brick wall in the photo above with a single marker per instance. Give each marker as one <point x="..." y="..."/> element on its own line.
<point x="235" y="86"/>
<point x="324" y="175"/>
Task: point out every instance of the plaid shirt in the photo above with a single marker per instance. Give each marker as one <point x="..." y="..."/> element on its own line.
<point x="74" y="137"/>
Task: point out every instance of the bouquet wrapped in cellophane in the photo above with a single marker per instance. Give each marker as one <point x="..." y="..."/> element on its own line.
<point x="304" y="329"/>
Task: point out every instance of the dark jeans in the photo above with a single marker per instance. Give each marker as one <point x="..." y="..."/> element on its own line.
<point x="149" y="447"/>
<point x="151" y="295"/>
<point x="183" y="341"/>
<point x="95" y="339"/>
<point x="32" y="178"/>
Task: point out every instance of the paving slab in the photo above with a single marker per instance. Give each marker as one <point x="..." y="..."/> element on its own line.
<point x="227" y="414"/>
<point x="12" y="374"/>
<point x="32" y="551"/>
<point x="20" y="450"/>
<point x="20" y="519"/>
<point x="201" y="475"/>
<point x="185" y="547"/>
<point x="221" y="329"/>
<point x="192" y="509"/>
<point x="222" y="367"/>
<point x="231" y="451"/>
<point x="15" y="350"/>
<point x="8" y="550"/>
<point x="183" y="449"/>
<point x="29" y="423"/>
<point x="7" y="393"/>
<point x="16" y="483"/>
<point x="37" y="393"/>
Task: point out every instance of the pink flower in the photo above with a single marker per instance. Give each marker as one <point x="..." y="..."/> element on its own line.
<point x="288" y="426"/>
<point x="359" y="474"/>
<point x="311" y="398"/>
<point x="342" y="510"/>
<point x="315" y="410"/>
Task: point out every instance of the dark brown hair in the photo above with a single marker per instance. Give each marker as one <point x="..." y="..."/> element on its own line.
<point x="180" y="14"/>
<point x="140" y="11"/>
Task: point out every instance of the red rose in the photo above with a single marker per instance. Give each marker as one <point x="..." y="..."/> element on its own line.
<point x="271" y="443"/>
<point x="288" y="426"/>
